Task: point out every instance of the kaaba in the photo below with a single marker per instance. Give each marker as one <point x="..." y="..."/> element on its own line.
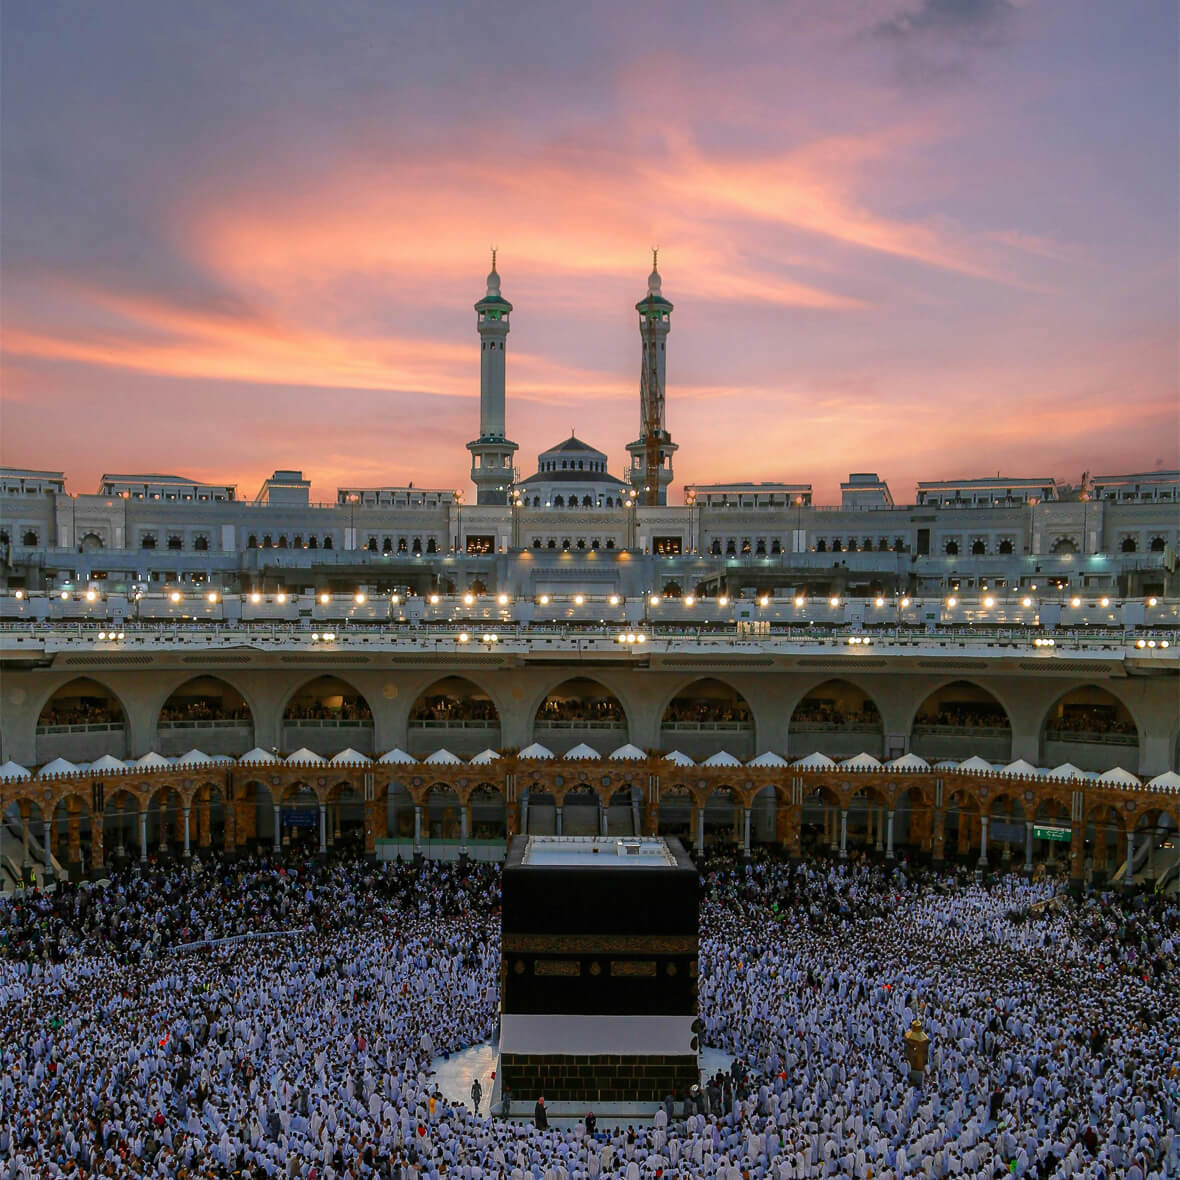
<point x="598" y="976"/>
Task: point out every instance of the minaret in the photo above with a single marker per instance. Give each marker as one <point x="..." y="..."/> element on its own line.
<point x="492" y="453"/>
<point x="654" y="325"/>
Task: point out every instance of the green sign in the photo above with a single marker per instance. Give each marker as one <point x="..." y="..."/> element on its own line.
<point x="1060" y="834"/>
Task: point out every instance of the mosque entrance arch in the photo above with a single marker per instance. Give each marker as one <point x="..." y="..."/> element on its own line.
<point x="81" y="721"/>
<point x="959" y="720"/>
<point x="1091" y="728"/>
<point x="208" y="714"/>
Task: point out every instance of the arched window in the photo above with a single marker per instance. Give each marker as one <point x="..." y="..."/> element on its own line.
<point x="587" y="502"/>
<point x="558" y="501"/>
<point x="267" y="543"/>
<point x="313" y="542"/>
<point x="431" y="546"/>
<point x="952" y="549"/>
<point x="1158" y="544"/>
<point x="536" y="542"/>
<point x="565" y="543"/>
<point x="372" y="545"/>
<point x="837" y="545"/>
<point x="745" y="546"/>
<point x="715" y="548"/>
<point x="175" y="542"/>
<point x="581" y="543"/>
<point x="730" y="548"/>
<point x="552" y="543"/>
<point x="978" y="548"/>
<point x="283" y="541"/>
<point x="1005" y="546"/>
<point x="387" y="545"/>
<point x="298" y="542"/>
<point x="1129" y="545"/>
<point x="147" y="541"/>
<point x="201" y="544"/>
<point x="416" y="547"/>
<point x="536" y="501"/>
<point x="610" y="542"/>
<point x="775" y="547"/>
<point x="595" y="544"/>
<point x="821" y="546"/>
<point x="852" y="546"/>
<point x="327" y="542"/>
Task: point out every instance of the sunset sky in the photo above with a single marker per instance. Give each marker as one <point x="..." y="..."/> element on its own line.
<point x="928" y="238"/>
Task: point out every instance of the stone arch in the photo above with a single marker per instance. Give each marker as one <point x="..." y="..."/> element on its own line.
<point x="487" y="812"/>
<point x="326" y="714"/>
<point x="1091" y="726"/>
<point x="120" y="823"/>
<point x="580" y="709"/>
<point x="836" y="717"/>
<point x="677" y="810"/>
<point x="69" y="813"/>
<point x="705" y="715"/>
<point x="959" y="718"/>
<point x="80" y="720"/>
<point x="456" y="713"/>
<point x="208" y="712"/>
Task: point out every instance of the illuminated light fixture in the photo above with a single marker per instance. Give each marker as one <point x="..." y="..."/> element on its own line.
<point x="1140" y="643"/>
<point x="614" y="600"/>
<point x="1151" y="643"/>
<point x="853" y="640"/>
<point x="20" y="594"/>
<point x="1106" y="602"/>
<point x="65" y="596"/>
<point x="91" y="595"/>
<point x="325" y="599"/>
<point x="905" y="602"/>
<point x="395" y="599"/>
<point x="211" y="596"/>
<point x="989" y="602"/>
<point x="640" y="637"/>
<point x="255" y="597"/>
<point x="544" y="600"/>
<point x="1164" y="643"/>
<point x="280" y="598"/>
<point x="578" y="599"/>
<point x="866" y="641"/>
<point x="120" y="635"/>
<point x="502" y="599"/>
<point x="1075" y="602"/>
<point x="723" y="600"/>
<point x="1152" y="601"/>
<point x="878" y="601"/>
<point x="689" y="600"/>
<point x="1026" y="602"/>
<point x="799" y="600"/>
<point x="468" y="599"/>
<point x="764" y="600"/>
<point x="359" y="598"/>
<point x="630" y="636"/>
<point x="833" y="601"/>
<point x="174" y="596"/>
<point x="463" y="637"/>
<point x="952" y="601"/>
<point x="434" y="600"/>
<point x="621" y="637"/>
<point x="655" y="600"/>
<point x="102" y="635"/>
<point x="1033" y="586"/>
<point x="490" y="638"/>
<point x="328" y="635"/>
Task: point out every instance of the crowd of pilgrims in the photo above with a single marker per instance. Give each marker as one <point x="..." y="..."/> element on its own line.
<point x="81" y="711"/>
<point x="449" y="708"/>
<point x="304" y="1049"/>
<point x="204" y="709"/>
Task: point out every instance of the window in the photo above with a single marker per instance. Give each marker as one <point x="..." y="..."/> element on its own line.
<point x="175" y="543"/>
<point x="730" y="548"/>
<point x="951" y="549"/>
<point x="587" y="502"/>
<point x="416" y="547"/>
<point x="313" y="542"/>
<point x="431" y="545"/>
<point x="371" y="545"/>
<point x="267" y="543"/>
<point x="837" y="545"/>
<point x="852" y="546"/>
<point x="821" y="546"/>
<point x="760" y="548"/>
<point x="252" y="543"/>
<point x="536" y="542"/>
<point x="283" y="542"/>
<point x="201" y="543"/>
<point x="387" y="545"/>
<point x="1005" y="546"/>
<point x="327" y="542"/>
<point x="715" y="548"/>
<point x="3" y="536"/>
<point x="595" y="544"/>
<point x="1129" y="545"/>
<point x="978" y="548"/>
<point x="552" y="543"/>
<point x="775" y="547"/>
<point x="1158" y="544"/>
<point x="581" y="543"/>
<point x="610" y="543"/>
<point x="565" y="544"/>
<point x="403" y="546"/>
<point x="558" y="501"/>
<point x="147" y="541"/>
<point x="298" y="542"/>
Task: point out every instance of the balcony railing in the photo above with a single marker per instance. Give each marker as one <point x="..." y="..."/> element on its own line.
<point x="835" y="727"/>
<point x="447" y="724"/>
<point x="607" y="725"/>
<point x="91" y="727"/>
<point x="207" y="723"/>
<point x="1092" y="736"/>
<point x="324" y="723"/>
<point x="708" y="726"/>
<point x="979" y="731"/>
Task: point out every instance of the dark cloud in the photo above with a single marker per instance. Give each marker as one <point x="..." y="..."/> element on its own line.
<point x="962" y="19"/>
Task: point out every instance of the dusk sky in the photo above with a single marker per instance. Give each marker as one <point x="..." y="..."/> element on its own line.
<point x="927" y="238"/>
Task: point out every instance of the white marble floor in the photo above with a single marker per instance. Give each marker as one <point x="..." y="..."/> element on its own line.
<point x="454" y="1078"/>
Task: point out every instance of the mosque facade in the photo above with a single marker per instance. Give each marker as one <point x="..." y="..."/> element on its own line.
<point x="1014" y="620"/>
